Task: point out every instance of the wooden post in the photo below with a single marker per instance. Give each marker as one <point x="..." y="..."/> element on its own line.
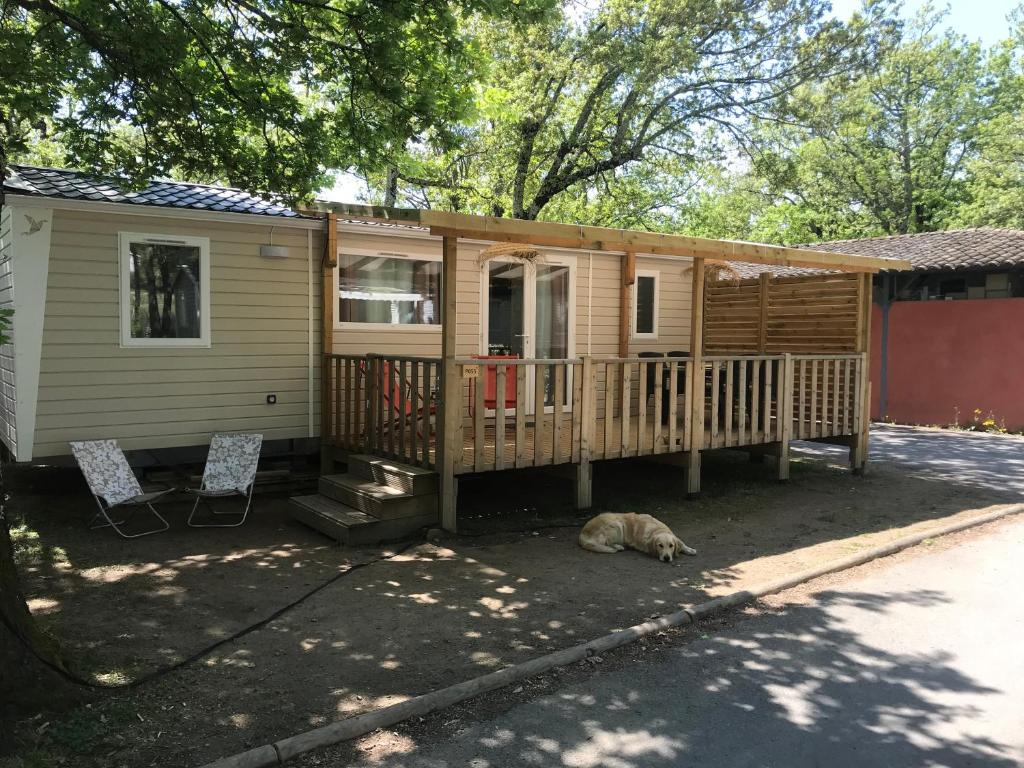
<point x="859" y="449"/>
<point x="625" y="301"/>
<point x="762" y="326"/>
<point x="696" y="379"/>
<point x="588" y="425"/>
<point x="373" y="403"/>
<point x="451" y="386"/>
<point x="327" y="264"/>
<point x="785" y="410"/>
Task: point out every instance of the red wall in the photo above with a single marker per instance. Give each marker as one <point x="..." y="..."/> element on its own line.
<point x="949" y="355"/>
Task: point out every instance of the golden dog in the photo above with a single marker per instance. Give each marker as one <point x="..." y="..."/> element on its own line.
<point x="613" y="532"/>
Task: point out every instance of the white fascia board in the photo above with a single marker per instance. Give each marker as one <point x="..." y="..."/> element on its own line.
<point x="31" y="228"/>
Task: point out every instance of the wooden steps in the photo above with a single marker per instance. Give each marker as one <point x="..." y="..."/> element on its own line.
<point x="376" y="500"/>
<point x="414" y="480"/>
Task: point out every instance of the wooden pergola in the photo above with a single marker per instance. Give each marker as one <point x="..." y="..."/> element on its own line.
<point x="451" y="227"/>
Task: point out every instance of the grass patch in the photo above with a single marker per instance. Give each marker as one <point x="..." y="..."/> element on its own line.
<point x="29" y="549"/>
<point x="34" y="759"/>
<point x="84" y="730"/>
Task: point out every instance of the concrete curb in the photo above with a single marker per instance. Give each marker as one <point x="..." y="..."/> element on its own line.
<point x="272" y="755"/>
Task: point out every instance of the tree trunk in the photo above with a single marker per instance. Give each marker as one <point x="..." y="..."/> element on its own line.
<point x="29" y="658"/>
<point x="391" y="188"/>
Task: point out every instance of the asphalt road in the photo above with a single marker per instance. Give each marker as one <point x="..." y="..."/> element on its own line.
<point x="917" y="664"/>
<point x="993" y="462"/>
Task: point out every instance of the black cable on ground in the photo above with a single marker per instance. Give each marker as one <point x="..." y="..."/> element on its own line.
<point x="161" y="671"/>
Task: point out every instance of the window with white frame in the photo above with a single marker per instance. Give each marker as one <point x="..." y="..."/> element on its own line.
<point x="165" y="290"/>
<point x="389" y="289"/>
<point x="645" y="304"/>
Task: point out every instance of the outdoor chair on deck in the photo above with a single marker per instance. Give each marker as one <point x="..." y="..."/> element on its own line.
<point x="666" y="378"/>
<point x="397" y="388"/>
<point x="114" y="485"/>
<point x="230" y="471"/>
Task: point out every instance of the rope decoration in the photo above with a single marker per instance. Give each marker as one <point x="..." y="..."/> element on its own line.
<point x="717" y="272"/>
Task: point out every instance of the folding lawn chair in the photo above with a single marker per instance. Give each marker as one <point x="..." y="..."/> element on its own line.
<point x="113" y="484"/>
<point x="230" y="471"/>
<point x="394" y="389"/>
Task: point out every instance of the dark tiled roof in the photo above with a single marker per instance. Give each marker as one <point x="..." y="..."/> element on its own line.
<point x="78" y="185"/>
<point x="927" y="251"/>
<point x="953" y="249"/>
<point x="745" y="269"/>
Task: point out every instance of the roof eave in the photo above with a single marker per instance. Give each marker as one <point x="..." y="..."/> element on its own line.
<point x="585" y="237"/>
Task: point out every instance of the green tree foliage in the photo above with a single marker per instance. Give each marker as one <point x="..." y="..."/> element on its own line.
<point x="743" y="206"/>
<point x="607" y="115"/>
<point x="886" y="151"/>
<point x="264" y="94"/>
<point x="995" y="175"/>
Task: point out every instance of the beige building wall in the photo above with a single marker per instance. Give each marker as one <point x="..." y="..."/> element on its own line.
<point x="265" y="333"/>
<point x="598" y="276"/>
<point x="262" y="313"/>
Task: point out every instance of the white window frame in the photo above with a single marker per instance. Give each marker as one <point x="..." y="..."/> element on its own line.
<point x="530" y="317"/>
<point x="399" y="327"/>
<point x="125" y="239"/>
<point x="653" y="273"/>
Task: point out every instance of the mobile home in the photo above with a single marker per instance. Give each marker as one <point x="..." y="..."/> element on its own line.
<point x="443" y="343"/>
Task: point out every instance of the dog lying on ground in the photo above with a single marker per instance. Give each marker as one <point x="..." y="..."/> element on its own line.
<point x="613" y="532"/>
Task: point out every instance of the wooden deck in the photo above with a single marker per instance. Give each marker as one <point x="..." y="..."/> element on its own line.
<point x="614" y="408"/>
<point x="482" y="455"/>
<point x="389" y="407"/>
<point x="653" y="439"/>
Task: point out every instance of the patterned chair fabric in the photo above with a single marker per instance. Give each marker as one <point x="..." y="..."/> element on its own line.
<point x="106" y="470"/>
<point x="231" y="463"/>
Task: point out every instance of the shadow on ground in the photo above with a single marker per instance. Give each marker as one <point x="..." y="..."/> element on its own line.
<point x="806" y="691"/>
<point x="426" y="618"/>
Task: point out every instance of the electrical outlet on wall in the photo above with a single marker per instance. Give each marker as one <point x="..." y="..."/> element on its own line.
<point x="271" y="399"/>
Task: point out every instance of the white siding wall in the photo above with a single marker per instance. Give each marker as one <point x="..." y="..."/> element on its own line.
<point x="8" y="427"/>
<point x="91" y="387"/>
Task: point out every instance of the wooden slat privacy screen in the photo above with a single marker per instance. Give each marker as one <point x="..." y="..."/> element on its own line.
<point x="812" y="314"/>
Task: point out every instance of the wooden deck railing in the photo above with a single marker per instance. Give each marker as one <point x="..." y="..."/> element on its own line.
<point x="527" y="413"/>
<point x="743" y="394"/>
<point x="643" y="405"/>
<point x="382" y="404"/>
<point x="520" y="413"/>
<point x="826" y="395"/>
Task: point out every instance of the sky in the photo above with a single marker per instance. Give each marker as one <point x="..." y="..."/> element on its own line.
<point x="984" y="20"/>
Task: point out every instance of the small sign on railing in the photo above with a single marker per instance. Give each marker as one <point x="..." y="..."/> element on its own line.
<point x="471" y="371"/>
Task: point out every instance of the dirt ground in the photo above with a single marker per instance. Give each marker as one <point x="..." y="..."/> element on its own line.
<point x="429" y="616"/>
<point x="450" y="723"/>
